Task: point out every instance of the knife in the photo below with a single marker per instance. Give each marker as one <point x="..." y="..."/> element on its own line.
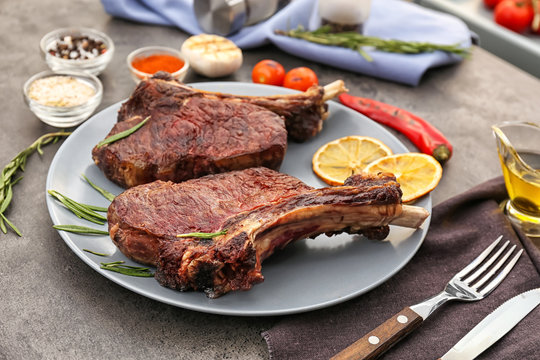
<point x="494" y="326"/>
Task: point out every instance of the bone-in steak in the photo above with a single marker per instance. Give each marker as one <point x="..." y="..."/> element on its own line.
<point x="261" y="209"/>
<point x="189" y="135"/>
<point x="192" y="133"/>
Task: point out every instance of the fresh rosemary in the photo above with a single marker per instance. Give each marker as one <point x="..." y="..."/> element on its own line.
<point x="120" y="267"/>
<point x="18" y="163"/>
<point x="80" y="229"/>
<point x="109" y="196"/>
<point x="357" y="42"/>
<point x="203" y="235"/>
<point x="82" y="211"/>
<point x="122" y="134"/>
<point x="95" y="253"/>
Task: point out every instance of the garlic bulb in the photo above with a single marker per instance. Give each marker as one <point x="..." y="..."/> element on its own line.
<point x="212" y="55"/>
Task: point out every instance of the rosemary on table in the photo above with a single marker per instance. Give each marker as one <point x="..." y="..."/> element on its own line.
<point x="109" y="196"/>
<point x="120" y="267"/>
<point x="122" y="134"/>
<point x="18" y="163"/>
<point x="80" y="229"/>
<point x="357" y="42"/>
<point x="82" y="211"/>
<point x="202" y="235"/>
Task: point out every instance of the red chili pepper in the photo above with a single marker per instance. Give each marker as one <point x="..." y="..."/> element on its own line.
<point x="425" y="136"/>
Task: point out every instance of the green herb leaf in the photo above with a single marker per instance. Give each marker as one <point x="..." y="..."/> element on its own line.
<point x="122" y="134"/>
<point x="11" y="225"/>
<point x="6" y="199"/>
<point x="80" y="229"/>
<point x="109" y="196"/>
<point x="203" y="235"/>
<point x="97" y="208"/>
<point x="120" y="267"/>
<point x="81" y="210"/>
<point x="95" y="253"/>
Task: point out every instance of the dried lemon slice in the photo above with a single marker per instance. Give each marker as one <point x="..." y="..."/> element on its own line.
<point x="337" y="160"/>
<point x="416" y="173"/>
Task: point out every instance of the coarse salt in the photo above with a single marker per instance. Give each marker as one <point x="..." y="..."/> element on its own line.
<point x="60" y="91"/>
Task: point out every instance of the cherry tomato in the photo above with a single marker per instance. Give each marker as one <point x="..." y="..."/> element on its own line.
<point x="515" y="15"/>
<point x="268" y="72"/>
<point x="491" y="3"/>
<point x="300" y="78"/>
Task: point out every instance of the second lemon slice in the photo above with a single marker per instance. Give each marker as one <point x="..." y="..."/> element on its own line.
<point x="416" y="173"/>
<point x="335" y="161"/>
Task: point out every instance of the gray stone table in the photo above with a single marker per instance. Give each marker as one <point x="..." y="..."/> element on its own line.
<point x="53" y="306"/>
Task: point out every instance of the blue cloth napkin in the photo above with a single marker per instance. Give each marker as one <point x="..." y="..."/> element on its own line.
<point x="390" y="19"/>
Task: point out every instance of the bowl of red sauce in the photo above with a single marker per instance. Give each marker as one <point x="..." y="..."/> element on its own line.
<point x="147" y="61"/>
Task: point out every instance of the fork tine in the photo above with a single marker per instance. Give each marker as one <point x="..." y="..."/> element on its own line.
<point x="494" y="269"/>
<point x="467" y="269"/>
<point x="500" y="277"/>
<point x="486" y="265"/>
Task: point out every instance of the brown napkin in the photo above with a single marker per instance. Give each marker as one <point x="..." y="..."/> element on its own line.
<point x="460" y="229"/>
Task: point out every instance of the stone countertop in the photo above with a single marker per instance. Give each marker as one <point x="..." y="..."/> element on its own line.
<point x="54" y="306"/>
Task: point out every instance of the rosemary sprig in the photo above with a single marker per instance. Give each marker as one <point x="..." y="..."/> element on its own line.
<point x="202" y="235"/>
<point x="95" y="253"/>
<point x="357" y="42"/>
<point x="80" y="229"/>
<point x="109" y="196"/>
<point x="18" y="163"/>
<point x="82" y="211"/>
<point x="120" y="267"/>
<point x="122" y="134"/>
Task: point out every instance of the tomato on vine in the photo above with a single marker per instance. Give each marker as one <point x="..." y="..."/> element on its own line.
<point x="300" y="78"/>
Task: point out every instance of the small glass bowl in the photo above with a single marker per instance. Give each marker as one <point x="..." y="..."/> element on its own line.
<point x="65" y="116"/>
<point x="92" y="66"/>
<point x="156" y="50"/>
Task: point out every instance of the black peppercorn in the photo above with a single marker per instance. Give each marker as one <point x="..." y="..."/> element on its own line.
<point x="78" y="47"/>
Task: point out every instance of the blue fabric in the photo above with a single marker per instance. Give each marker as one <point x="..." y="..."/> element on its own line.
<point x="391" y="19"/>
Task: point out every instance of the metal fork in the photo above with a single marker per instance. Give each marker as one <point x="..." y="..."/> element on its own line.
<point x="464" y="286"/>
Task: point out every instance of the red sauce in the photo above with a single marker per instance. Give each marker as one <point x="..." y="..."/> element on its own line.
<point x="160" y="62"/>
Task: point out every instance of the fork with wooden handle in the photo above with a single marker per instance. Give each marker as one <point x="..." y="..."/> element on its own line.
<point x="464" y="286"/>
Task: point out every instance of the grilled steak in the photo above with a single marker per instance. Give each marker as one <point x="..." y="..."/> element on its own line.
<point x="261" y="209"/>
<point x="192" y="133"/>
<point x="189" y="135"/>
<point x="303" y="112"/>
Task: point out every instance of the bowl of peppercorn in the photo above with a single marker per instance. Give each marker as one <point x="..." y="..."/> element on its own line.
<point x="77" y="49"/>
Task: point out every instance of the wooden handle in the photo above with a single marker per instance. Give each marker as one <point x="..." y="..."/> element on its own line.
<point x="376" y="342"/>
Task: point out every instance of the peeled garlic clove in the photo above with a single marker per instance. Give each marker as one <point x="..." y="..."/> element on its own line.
<point x="212" y="55"/>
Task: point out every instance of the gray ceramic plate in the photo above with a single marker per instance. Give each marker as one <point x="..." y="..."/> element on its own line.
<point x="307" y="275"/>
